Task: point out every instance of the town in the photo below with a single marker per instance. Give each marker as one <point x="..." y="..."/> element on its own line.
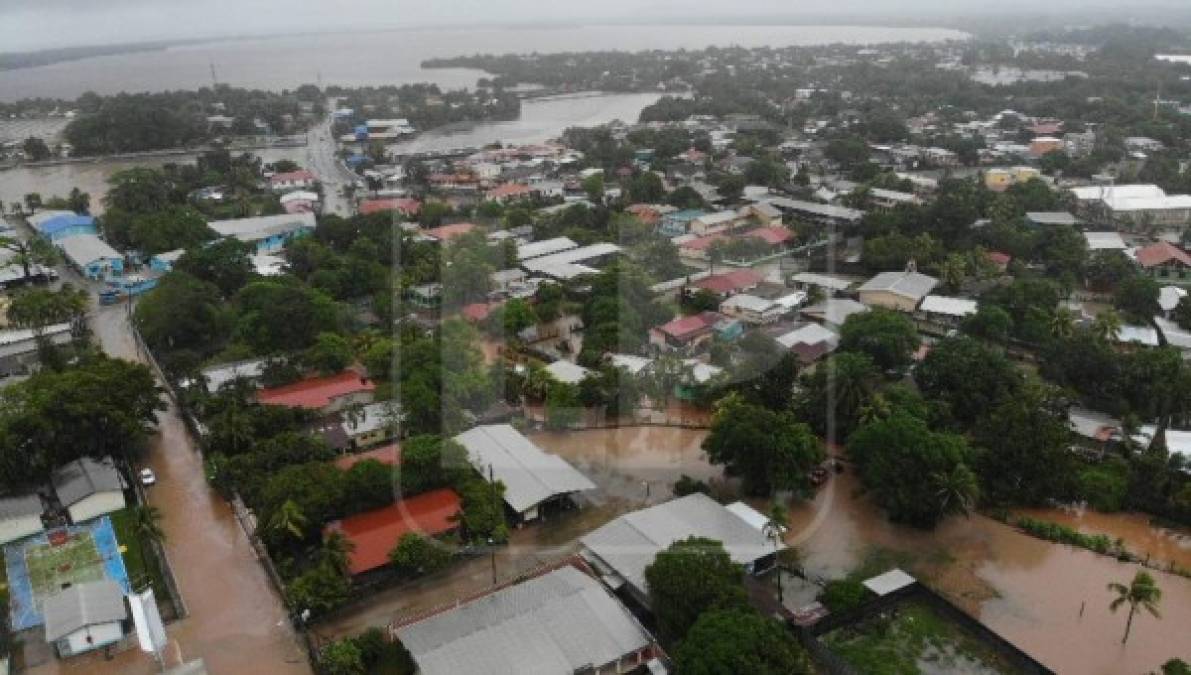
<point x="839" y="359"/>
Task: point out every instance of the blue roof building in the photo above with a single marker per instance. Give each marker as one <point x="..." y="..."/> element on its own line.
<point x="678" y="223"/>
<point x="57" y="225"/>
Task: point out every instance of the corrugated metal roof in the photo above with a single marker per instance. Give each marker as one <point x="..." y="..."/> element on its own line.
<point x="545" y="247"/>
<point x="529" y="474"/>
<point x="630" y="543"/>
<point x="557" y="623"/>
<point x="252" y="229"/>
<point x="86" y="604"/>
<point x="84" y="477"/>
<point x="571" y="257"/>
<point x="84" y="249"/>
<point x="941" y="304"/>
<point x="913" y="285"/>
<point x="19" y="506"/>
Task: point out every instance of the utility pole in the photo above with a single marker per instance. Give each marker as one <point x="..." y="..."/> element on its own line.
<point x="214" y="78"/>
<point x="496" y="510"/>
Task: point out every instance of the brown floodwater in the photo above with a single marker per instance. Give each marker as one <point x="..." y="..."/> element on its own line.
<point x="236" y="622"/>
<point x="1142" y="536"/>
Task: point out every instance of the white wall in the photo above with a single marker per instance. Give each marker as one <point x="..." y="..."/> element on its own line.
<point x="18" y="528"/>
<point x="101" y="634"/>
<point x="97" y="505"/>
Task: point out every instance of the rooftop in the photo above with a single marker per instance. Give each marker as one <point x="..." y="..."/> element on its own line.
<point x="529" y="474"/>
<point x="82" y="605"/>
<point x="1105" y="241"/>
<point x="84" y="249"/>
<point x="316" y="392"/>
<point x="940" y="304"/>
<point x="376" y="532"/>
<point x="730" y="282"/>
<point x="385" y="454"/>
<point x="560" y="622"/>
<point x="545" y="247"/>
<point x="84" y="477"/>
<point x="567" y="372"/>
<point x="262" y="227"/>
<point x="449" y="232"/>
<point x="913" y="285"/>
<point x="1160" y="254"/>
<point x="685" y="327"/>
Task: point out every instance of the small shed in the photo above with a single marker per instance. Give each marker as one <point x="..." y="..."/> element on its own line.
<point x="889" y="582"/>
<point x="85" y="617"/>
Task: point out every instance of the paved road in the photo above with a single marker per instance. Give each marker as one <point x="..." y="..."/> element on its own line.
<point x="321" y="160"/>
<point x="236" y="623"/>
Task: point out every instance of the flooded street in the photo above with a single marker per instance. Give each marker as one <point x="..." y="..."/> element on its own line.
<point x="235" y="621"/>
<point x="1162" y="544"/>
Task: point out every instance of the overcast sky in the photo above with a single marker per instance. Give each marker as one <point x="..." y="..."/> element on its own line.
<point x="38" y="24"/>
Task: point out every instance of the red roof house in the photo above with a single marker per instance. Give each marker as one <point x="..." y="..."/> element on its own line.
<point x="1163" y="254"/>
<point x="300" y="178"/>
<point x="509" y="192"/>
<point x="999" y="259"/>
<point x="774" y="236"/>
<point x="449" y="232"/>
<point x="376" y="532"/>
<point x="730" y="283"/>
<point x="476" y="312"/>
<point x="326" y="394"/>
<point x="408" y="207"/>
<point x="685" y="330"/>
<point x="385" y="454"/>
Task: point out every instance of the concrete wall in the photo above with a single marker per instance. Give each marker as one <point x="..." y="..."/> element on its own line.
<point x="97" y="505"/>
<point x="99" y="634"/>
<point x="888" y="301"/>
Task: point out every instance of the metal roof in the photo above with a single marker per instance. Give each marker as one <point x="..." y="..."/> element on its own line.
<point x="545" y="247"/>
<point x="529" y="474"/>
<point x="217" y="376"/>
<point x="913" y="285"/>
<point x="557" y="623"/>
<point x="84" y="249"/>
<point x="941" y="304"/>
<point x="889" y="582"/>
<point x="84" y="477"/>
<point x="82" y="605"/>
<point x="835" y="310"/>
<point x="816" y="209"/>
<point x="822" y="280"/>
<point x="1105" y="241"/>
<point x="565" y="371"/>
<point x="19" y="506"/>
<point x="1052" y="218"/>
<point x="810" y="334"/>
<point x="630" y="543"/>
<point x="261" y="227"/>
<point x="570" y="257"/>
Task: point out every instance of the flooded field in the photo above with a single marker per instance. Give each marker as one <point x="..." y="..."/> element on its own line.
<point x="1162" y="544"/>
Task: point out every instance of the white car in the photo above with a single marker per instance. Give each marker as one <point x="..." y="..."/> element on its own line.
<point x="148" y="477"/>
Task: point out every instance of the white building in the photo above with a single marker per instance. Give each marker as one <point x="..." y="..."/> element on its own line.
<point x="752" y="309"/>
<point x="85" y="617"/>
<point x="20" y="516"/>
<point x="89" y="488"/>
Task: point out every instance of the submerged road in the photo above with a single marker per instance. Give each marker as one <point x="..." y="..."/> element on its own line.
<point x="236" y="622"/>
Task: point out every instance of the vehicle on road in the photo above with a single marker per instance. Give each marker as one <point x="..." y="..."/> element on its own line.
<point x="148" y="478"/>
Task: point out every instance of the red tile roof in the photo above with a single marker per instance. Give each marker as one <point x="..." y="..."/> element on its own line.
<point x="703" y="243"/>
<point x="771" y="235"/>
<point x="998" y="258"/>
<point x="409" y="207"/>
<point x="1162" y="253"/>
<point x="385" y="454"/>
<point x="509" y="190"/>
<point x="730" y="282"/>
<point x="477" y="311"/>
<point x="316" y="392"/>
<point x="449" y="232"/>
<point x="686" y="327"/>
<point x="376" y="532"/>
<point x="291" y="176"/>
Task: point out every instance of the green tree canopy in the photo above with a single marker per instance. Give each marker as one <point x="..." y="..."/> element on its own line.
<point x="689" y="578"/>
<point x="729" y="642"/>
<point x="769" y="450"/>
<point x="889" y="338"/>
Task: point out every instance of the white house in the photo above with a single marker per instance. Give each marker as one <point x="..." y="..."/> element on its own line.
<point x="20" y="516"/>
<point x="85" y="617"/>
<point x="89" y="488"/>
<point x="752" y="309"/>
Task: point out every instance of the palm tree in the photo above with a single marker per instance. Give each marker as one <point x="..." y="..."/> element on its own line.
<point x="877" y="408"/>
<point x="337" y="550"/>
<point x="956" y="489"/>
<point x="1107" y="325"/>
<point x="146" y="524"/>
<point x="1062" y="324"/>
<point x="953" y="270"/>
<point x="775" y="529"/>
<point x="1142" y="592"/>
<point x="289" y="520"/>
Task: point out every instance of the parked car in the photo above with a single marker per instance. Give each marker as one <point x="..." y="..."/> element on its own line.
<point x="148" y="477"/>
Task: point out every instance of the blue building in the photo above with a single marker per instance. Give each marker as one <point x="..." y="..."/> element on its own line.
<point x="678" y="223"/>
<point x="164" y="262"/>
<point x="92" y="256"/>
<point x="268" y="233"/>
<point x="57" y="225"/>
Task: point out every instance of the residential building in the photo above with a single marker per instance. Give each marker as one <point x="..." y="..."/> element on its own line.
<point x="165" y="261"/>
<point x="809" y="342"/>
<point x="1051" y="218"/>
<point x="91" y="256"/>
<point x="567" y="372"/>
<point x="729" y="283"/>
<point x="327" y="395"/>
<point x="537" y="249"/>
<point x="267" y="233"/>
<point x="833" y="312"/>
<point x="826" y="214"/>
<point x="569" y="264"/>
<point x="763" y="213"/>
<point x="215" y="377"/>
<point x="687" y="333"/>
<point x="402" y="206"/>
<point x="752" y="309"/>
<point x="678" y="223"/>
<point x="375" y="533"/>
<point x="716" y="223"/>
<point x="510" y="192"/>
<point x="19" y="350"/>
<point x="371" y="424"/>
<point x="534" y="480"/>
<point x="888" y="199"/>
<point x="901" y="291"/>
<point x="1043" y="145"/>
<point x="945" y="311"/>
<point x="20" y="516"/>
<point x="89" y="488"/>
<point x="804" y="281"/>
<point x="622" y="549"/>
<point x="293" y="180"/>
<point x="562" y="621"/>
<point x="1164" y="261"/>
<point x="1105" y="241"/>
<point x="85" y="617"/>
<point x="1134" y="205"/>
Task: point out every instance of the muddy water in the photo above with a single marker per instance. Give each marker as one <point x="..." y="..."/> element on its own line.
<point x="1162" y="544"/>
<point x="236" y="623"/>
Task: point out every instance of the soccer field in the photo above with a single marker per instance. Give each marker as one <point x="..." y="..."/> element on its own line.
<point x="42" y="564"/>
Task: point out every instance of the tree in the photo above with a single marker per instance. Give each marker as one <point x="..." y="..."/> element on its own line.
<point x="966" y="376"/>
<point x="1142" y="592"/>
<point x="283" y="315"/>
<point x="564" y="409"/>
<point x="727" y="642"/>
<point x="692" y="576"/>
<point x="38" y="308"/>
<point x="831" y="397"/>
<point x="593" y="185"/>
<point x="1024" y="441"/>
<point x="342" y="657"/>
<point x="769" y="450"/>
<point x="183" y="314"/>
<point x="1137" y="298"/>
<point x="288" y="521"/>
<point x="35" y="149"/>
<point x="28" y="253"/>
<point x="415" y="555"/>
<point x="888" y="337"/>
<point x="1107" y="325"/>
<point x="336" y="551"/>
<point x="646" y="187"/>
<point x="990" y="323"/>
<point x="329" y="354"/>
<point x="320" y="589"/>
<point x="32" y="202"/>
<point x="225" y="263"/>
<point x="429" y="462"/>
<point x="918" y="476"/>
<point x="146" y="523"/>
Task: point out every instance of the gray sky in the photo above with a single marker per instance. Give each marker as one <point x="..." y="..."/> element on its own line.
<point x="39" y="24"/>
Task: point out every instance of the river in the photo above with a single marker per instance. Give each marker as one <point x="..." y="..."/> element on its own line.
<point x="395" y="56"/>
<point x="1028" y="590"/>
